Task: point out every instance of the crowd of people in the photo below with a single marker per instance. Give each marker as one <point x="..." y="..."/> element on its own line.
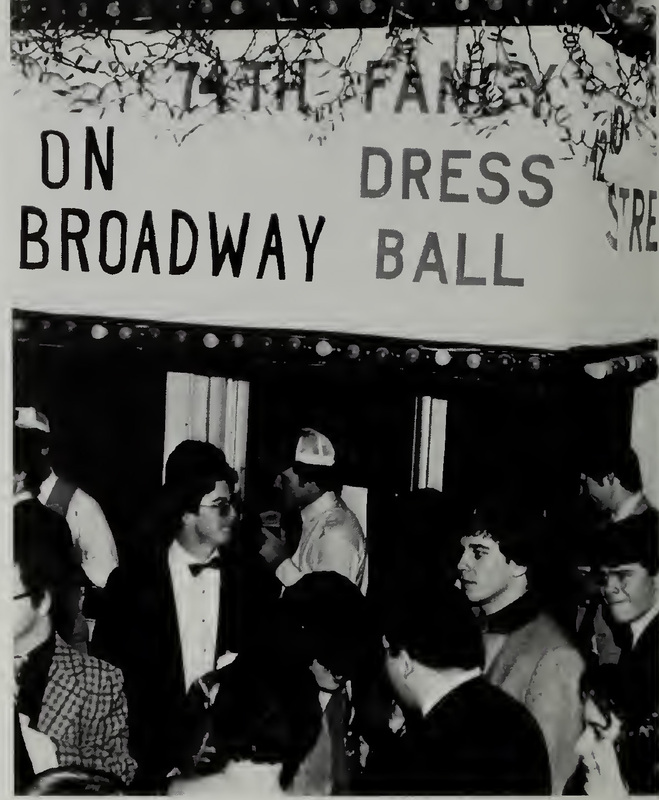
<point x="193" y="663"/>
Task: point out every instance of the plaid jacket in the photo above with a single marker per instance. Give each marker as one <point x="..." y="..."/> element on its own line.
<point x="84" y="713"/>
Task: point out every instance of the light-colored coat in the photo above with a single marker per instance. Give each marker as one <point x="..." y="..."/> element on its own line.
<point x="332" y="541"/>
<point x="539" y="667"/>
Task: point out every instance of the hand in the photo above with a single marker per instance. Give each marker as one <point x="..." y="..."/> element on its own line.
<point x="397" y="720"/>
<point x="203" y="750"/>
<point x="274" y="550"/>
<point x="209" y="690"/>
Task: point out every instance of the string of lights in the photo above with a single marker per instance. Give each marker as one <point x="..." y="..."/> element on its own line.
<point x="630" y="363"/>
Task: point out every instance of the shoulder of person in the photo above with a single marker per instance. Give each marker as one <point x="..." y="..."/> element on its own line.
<point x="340" y="515"/>
<point x="556" y="654"/>
<point x="543" y="636"/>
<point x="92" y="673"/>
<point x="81" y="501"/>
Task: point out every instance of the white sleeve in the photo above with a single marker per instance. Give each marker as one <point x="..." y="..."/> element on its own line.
<point x="92" y="534"/>
<point x="288" y="573"/>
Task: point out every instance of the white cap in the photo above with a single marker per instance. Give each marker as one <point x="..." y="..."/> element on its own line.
<point x="314" y="449"/>
<point x="31" y="419"/>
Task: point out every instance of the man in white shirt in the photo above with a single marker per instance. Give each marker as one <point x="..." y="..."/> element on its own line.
<point x="175" y="608"/>
<point x="89" y="528"/>
<point x="90" y="532"/>
<point x="331" y="539"/>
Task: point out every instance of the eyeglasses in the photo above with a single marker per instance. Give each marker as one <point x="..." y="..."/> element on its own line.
<point x="224" y="505"/>
<point x="22" y="595"/>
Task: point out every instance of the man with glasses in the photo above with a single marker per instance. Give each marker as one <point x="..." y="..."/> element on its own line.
<point x="176" y="606"/>
<point x="629" y="574"/>
<point x="70" y="708"/>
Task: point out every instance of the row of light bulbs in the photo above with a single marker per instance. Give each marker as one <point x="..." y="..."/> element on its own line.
<point x="324" y="349"/>
<point x="601" y="369"/>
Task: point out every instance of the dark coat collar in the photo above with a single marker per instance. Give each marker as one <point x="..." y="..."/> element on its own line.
<point x="513" y="617"/>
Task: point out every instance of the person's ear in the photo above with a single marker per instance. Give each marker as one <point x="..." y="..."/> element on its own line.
<point x="43" y="609"/>
<point x="408" y="664"/>
<point x="189" y="518"/>
<point x="517" y="570"/>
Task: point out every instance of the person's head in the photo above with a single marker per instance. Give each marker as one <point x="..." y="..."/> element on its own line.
<point x="331" y="619"/>
<point x="263" y="722"/>
<point x="313" y="472"/>
<point x="605" y="711"/>
<point x="74" y="781"/>
<point x="496" y="554"/>
<point x="31" y="449"/>
<point x="45" y="570"/>
<point x="629" y="565"/>
<point x="199" y="491"/>
<point x="428" y="629"/>
<point x="611" y="478"/>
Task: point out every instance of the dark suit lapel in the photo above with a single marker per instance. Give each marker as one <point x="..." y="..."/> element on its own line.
<point x="165" y="623"/>
<point x="648" y="642"/>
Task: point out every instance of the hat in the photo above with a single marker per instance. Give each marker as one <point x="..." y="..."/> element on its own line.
<point x="31" y="419"/>
<point x="314" y="449"/>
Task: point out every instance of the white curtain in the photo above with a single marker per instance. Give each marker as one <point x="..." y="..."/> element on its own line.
<point x="210" y="410"/>
<point x="430" y="443"/>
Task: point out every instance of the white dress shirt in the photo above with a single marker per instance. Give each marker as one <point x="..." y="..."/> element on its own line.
<point x="89" y="530"/>
<point x="197" y="610"/>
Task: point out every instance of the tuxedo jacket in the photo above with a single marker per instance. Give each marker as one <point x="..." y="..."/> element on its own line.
<point x="640" y="751"/>
<point x="475" y="741"/>
<point x="83" y="711"/>
<point x="138" y="632"/>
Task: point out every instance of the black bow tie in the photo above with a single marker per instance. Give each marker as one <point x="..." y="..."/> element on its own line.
<point x="214" y="563"/>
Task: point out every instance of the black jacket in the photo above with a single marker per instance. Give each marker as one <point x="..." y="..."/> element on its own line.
<point x="475" y="741"/>
<point x="138" y="632"/>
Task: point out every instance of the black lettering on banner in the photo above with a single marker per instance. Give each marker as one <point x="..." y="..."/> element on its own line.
<point x="77" y="237"/>
<point x="235" y="254"/>
<point x="175" y="268"/>
<point x="147" y="241"/>
<point x="367" y="154"/>
<point x="45" y="159"/>
<point x="395" y="251"/>
<point x="272" y="246"/>
<point x="37" y="237"/>
<point x="106" y="217"/>
<point x="92" y="151"/>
